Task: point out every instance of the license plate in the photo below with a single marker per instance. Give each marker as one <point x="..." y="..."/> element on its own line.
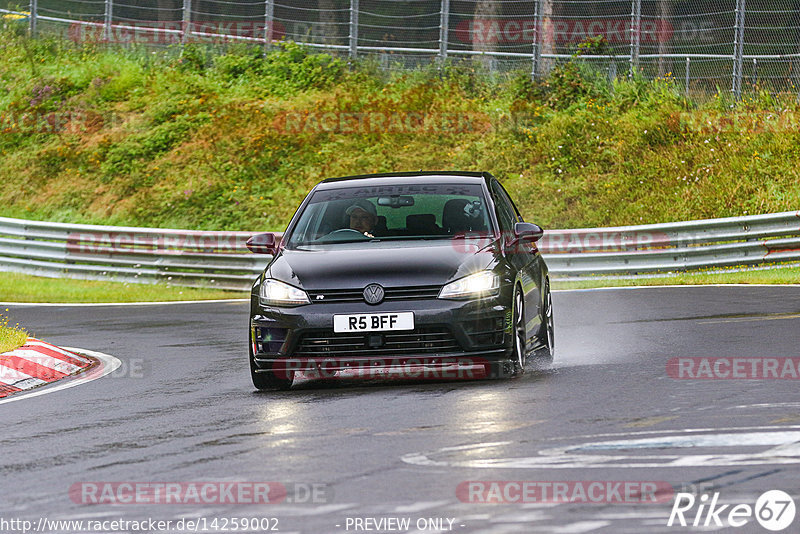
<point x="373" y="322"/>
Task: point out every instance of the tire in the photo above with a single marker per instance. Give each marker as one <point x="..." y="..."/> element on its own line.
<point x="547" y="334"/>
<point x="501" y="369"/>
<point x="266" y="379"/>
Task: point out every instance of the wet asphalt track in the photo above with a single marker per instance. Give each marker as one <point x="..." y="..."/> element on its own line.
<point x="189" y="413"/>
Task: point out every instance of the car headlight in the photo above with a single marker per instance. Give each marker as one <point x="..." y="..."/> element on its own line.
<point x="277" y="293"/>
<point x="478" y="285"/>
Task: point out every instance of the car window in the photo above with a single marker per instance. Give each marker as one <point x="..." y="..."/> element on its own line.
<point x="504" y="208"/>
<point x="504" y="194"/>
<point x="417" y="211"/>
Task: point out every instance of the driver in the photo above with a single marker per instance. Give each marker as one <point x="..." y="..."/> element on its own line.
<point x="362" y="216"/>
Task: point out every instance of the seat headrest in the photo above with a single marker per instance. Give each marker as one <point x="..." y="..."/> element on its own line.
<point x="422" y="223"/>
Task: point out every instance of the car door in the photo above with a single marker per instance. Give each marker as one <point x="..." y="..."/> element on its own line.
<point x="522" y="256"/>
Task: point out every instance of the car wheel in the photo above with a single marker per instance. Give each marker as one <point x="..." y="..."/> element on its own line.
<point x="547" y="337"/>
<point x="518" y="330"/>
<point x="267" y="379"/>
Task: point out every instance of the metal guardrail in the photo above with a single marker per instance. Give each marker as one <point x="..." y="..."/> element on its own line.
<point x="127" y="254"/>
<point x="221" y="260"/>
<point x="631" y="251"/>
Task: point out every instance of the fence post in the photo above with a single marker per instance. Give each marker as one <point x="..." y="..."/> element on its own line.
<point x="353" y="28"/>
<point x="738" y="49"/>
<point x="444" y="29"/>
<point x="636" y="39"/>
<point x="612" y="73"/>
<point x="686" y="81"/>
<point x="537" y="39"/>
<point x="109" y="14"/>
<point x="187" y="20"/>
<point x="269" y="17"/>
<point x="33" y="16"/>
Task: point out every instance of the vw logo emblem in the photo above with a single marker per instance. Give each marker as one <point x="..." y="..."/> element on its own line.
<point x="373" y="294"/>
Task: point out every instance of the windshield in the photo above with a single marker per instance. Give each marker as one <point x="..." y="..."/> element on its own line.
<point x="392" y="212"/>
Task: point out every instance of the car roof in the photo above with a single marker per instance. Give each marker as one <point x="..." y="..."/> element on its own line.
<point x="404" y="178"/>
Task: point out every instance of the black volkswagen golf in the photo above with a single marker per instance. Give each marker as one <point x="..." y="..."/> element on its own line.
<point x="431" y="270"/>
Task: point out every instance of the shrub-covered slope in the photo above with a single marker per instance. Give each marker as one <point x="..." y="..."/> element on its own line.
<point x="234" y="140"/>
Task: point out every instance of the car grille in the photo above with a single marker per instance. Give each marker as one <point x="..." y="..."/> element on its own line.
<point x="429" y="340"/>
<point x="390" y="293"/>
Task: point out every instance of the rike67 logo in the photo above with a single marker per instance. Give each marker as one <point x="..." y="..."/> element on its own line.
<point x="774" y="510"/>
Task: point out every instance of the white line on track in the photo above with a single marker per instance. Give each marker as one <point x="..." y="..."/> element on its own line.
<point x="97" y="304"/>
<point x="579" y="527"/>
<point x="675" y="285"/>
<point x="218" y="301"/>
<point x="108" y="364"/>
<point x="779" y="446"/>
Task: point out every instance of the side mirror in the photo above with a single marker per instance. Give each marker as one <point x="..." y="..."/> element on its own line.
<point x="263" y="244"/>
<point x="524" y="231"/>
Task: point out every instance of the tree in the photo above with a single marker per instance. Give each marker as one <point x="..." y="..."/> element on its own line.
<point x="168" y="10"/>
<point x="665" y="8"/>
<point x="328" y="20"/>
<point x="547" y="35"/>
<point x="486" y="13"/>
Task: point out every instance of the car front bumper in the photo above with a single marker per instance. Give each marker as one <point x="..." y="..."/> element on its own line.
<point x="447" y="334"/>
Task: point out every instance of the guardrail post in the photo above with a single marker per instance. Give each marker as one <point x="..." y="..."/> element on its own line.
<point x="353" y="28"/>
<point x="444" y="29"/>
<point x="738" y="49"/>
<point x="109" y="15"/>
<point x="187" y="20"/>
<point x="636" y="24"/>
<point x="34" y="8"/>
<point x="269" y="18"/>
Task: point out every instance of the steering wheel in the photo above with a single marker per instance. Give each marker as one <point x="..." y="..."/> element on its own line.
<point x="344" y="233"/>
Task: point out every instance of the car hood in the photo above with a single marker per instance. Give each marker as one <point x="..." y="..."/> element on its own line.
<point x="354" y="265"/>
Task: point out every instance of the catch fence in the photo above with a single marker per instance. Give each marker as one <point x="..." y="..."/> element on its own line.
<point x="707" y="46"/>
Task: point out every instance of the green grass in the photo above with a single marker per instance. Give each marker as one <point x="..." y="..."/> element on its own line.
<point x="197" y="139"/>
<point x="26" y="288"/>
<point x="11" y="337"/>
<point x="777" y="275"/>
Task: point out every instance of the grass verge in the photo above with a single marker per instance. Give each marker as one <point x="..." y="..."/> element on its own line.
<point x="11" y="337"/>
<point x="25" y="288"/>
<point x="777" y="275"/>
